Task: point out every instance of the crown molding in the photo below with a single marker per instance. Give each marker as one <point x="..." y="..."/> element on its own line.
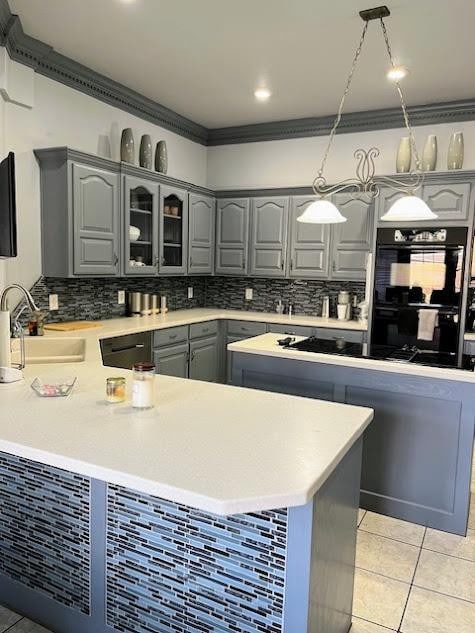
<point x="45" y="60"/>
<point x="389" y="118"/>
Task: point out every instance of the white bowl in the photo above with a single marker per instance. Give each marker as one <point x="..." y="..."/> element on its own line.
<point x="134" y="233"/>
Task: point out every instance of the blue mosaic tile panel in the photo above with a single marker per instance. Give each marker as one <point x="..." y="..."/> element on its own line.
<point x="44" y="530"/>
<point x="173" y="569"/>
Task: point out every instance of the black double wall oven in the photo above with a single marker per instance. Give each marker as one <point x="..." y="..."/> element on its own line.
<point x="417" y="297"/>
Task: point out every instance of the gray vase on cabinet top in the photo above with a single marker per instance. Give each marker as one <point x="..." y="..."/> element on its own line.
<point x="146" y="152"/>
<point x="127" y="146"/>
<point x="161" y="157"/>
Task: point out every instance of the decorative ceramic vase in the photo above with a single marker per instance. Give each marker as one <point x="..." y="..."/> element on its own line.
<point x="455" y="153"/>
<point x="161" y="157"/>
<point x="404" y="155"/>
<point x="146" y="152"/>
<point x="429" y="155"/>
<point x="127" y="147"/>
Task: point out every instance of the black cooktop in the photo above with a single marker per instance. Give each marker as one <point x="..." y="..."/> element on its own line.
<point x="405" y="354"/>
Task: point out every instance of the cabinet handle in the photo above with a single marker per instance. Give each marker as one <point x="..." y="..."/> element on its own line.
<point x="291" y="264"/>
<point x="192" y="356"/>
<point x="243" y="264"/>
<point x="116" y="259"/>
<point x="191" y="261"/>
<point x="282" y="265"/>
<point x="162" y="261"/>
<point x="157" y="260"/>
<point x="333" y="266"/>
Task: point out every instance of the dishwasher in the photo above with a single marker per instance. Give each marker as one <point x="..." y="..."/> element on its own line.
<point x="125" y="351"/>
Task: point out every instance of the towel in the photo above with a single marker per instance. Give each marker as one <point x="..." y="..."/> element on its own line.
<point x="427" y="324"/>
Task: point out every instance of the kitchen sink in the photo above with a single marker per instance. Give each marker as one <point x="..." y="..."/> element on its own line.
<point x="51" y="350"/>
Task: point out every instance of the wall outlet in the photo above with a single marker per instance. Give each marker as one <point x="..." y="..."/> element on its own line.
<point x="53" y="302"/>
<point x="121" y="297"/>
<point x="249" y="294"/>
<point x="190" y="292"/>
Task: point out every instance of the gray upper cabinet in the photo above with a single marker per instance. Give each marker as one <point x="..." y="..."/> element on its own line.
<point x="449" y="201"/>
<point x="201" y="231"/>
<point x="96" y="215"/>
<point x="309" y="243"/>
<point x="140" y="211"/>
<point x="232" y="236"/>
<point x="268" y="243"/>
<point x="351" y="240"/>
<point x="173" y="232"/>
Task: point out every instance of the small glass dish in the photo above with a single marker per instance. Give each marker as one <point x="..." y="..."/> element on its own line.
<point x="54" y="388"/>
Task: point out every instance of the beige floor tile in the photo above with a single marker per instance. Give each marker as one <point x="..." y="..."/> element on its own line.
<point x="460" y="546"/>
<point x="27" y="626"/>
<point x="379" y="599"/>
<point x="386" y="556"/>
<point x="361" y="514"/>
<point x="393" y="528"/>
<point x="363" y="626"/>
<point x="7" y="618"/>
<point x="471" y="516"/>
<point x="446" y="574"/>
<point x="429" y="612"/>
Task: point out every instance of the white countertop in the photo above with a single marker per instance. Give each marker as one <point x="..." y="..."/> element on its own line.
<point x="218" y="448"/>
<point x="266" y="345"/>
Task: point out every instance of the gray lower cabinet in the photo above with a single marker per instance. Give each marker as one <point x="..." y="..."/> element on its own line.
<point x="351" y="240"/>
<point x="268" y="236"/>
<point x="201" y="232"/>
<point x="232" y="236"/>
<point x="204" y="359"/>
<point x="309" y="243"/>
<point x="172" y="361"/>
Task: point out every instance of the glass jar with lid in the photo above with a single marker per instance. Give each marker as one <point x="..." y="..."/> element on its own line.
<point x="142" y="385"/>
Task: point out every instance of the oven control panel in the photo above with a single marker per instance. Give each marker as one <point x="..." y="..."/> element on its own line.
<point x="420" y="235"/>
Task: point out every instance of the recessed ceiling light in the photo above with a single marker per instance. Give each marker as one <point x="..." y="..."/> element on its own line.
<point x="396" y="73"/>
<point x="262" y="94"/>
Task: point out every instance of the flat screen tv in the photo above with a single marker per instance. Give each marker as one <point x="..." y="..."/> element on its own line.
<point x="8" y="244"/>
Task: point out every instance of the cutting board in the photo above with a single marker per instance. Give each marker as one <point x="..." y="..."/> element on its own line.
<point x="68" y="326"/>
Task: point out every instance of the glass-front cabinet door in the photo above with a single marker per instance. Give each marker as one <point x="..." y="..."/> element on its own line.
<point x="141" y="226"/>
<point x="173" y="230"/>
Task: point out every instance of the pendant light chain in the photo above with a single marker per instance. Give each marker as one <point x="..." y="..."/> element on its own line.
<point x="343" y="98"/>
<point x="401" y="98"/>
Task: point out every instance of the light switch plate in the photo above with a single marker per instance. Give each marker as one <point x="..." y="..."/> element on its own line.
<point x="249" y="294"/>
<point x="53" y="302"/>
<point x="190" y="292"/>
<point x="121" y="297"/>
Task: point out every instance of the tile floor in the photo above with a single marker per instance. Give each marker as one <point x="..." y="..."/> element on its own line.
<point x="409" y="579"/>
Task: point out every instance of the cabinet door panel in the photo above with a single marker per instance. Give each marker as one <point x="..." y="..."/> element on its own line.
<point x="309" y="243"/>
<point x="140" y="202"/>
<point x="232" y="235"/>
<point x="201" y="234"/>
<point x="352" y="240"/>
<point x="204" y="359"/>
<point x="96" y="221"/>
<point x="449" y="202"/>
<point x="269" y="219"/>
<point x="172" y="361"/>
<point x="173" y="237"/>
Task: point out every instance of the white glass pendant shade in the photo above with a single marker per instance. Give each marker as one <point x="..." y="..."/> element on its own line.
<point x="409" y="209"/>
<point x="321" y="212"/>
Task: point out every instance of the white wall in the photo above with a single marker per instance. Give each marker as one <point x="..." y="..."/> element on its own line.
<point x="62" y="116"/>
<point x="295" y="162"/>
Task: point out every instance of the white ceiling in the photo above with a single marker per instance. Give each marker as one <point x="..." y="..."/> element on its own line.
<point x="204" y="58"/>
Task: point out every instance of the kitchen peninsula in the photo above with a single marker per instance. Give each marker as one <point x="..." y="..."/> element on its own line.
<point x="417" y="454"/>
<point x="217" y="508"/>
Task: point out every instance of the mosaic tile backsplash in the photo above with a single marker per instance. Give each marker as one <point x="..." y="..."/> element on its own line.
<point x="97" y="298"/>
<point x="203" y="572"/>
<point x="44" y="530"/>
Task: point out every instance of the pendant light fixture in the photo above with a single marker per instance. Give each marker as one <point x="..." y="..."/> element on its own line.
<point x="409" y="207"/>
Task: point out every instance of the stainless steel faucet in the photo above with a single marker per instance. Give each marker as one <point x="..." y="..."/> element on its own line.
<point x="16" y="329"/>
